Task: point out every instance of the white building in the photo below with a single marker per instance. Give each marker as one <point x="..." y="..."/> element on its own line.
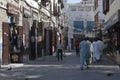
<point x="79" y="13"/>
<point x="111" y="9"/>
<point x="98" y="16"/>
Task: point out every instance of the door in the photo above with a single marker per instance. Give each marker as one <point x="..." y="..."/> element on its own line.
<point x="20" y="33"/>
<point x="5" y="54"/>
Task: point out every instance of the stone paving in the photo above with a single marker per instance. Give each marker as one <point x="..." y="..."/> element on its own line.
<point x="48" y="68"/>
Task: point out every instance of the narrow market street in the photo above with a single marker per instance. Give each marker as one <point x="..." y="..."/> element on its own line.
<point x="31" y="31"/>
<point x="48" y="68"/>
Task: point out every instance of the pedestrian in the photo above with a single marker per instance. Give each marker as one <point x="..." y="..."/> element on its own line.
<point x="77" y="47"/>
<point x="100" y="44"/>
<point x="60" y="51"/>
<point x="96" y="50"/>
<point x="84" y="53"/>
<point x="91" y="49"/>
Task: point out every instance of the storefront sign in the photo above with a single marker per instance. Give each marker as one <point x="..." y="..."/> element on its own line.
<point x="12" y="9"/>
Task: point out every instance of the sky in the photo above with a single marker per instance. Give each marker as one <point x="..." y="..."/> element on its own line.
<point x="73" y="1"/>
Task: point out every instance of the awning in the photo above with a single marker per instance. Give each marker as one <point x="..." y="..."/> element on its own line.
<point x="32" y="3"/>
<point x="45" y="11"/>
<point x="53" y="19"/>
<point x="114" y="19"/>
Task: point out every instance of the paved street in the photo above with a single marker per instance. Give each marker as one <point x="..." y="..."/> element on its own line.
<point x="48" y="68"/>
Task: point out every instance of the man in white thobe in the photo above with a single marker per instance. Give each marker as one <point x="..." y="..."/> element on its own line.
<point x="100" y="43"/>
<point x="96" y="50"/>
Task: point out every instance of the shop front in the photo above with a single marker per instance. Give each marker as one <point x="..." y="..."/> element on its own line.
<point x="48" y="40"/>
<point x="113" y="28"/>
<point x="33" y="35"/>
<point x="26" y="32"/>
<point x="47" y="32"/>
<point x="14" y="34"/>
<point x="4" y="46"/>
<point x="40" y="39"/>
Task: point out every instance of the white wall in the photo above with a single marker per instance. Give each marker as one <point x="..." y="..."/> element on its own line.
<point x="77" y="16"/>
<point x="99" y="10"/>
<point x="81" y="15"/>
<point x="113" y="8"/>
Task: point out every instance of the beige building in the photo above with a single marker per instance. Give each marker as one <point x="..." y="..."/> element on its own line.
<point x="3" y="18"/>
<point x="9" y="14"/>
<point x="33" y="21"/>
<point x="79" y="20"/>
<point x="111" y="9"/>
<point x="98" y="18"/>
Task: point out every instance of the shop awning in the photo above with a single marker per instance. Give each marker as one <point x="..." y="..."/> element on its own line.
<point x="45" y="11"/>
<point x="53" y="19"/>
<point x="114" y="19"/>
<point x="32" y="3"/>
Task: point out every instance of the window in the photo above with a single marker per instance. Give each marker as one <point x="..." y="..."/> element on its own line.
<point x="96" y="4"/>
<point x="105" y="6"/>
<point x="88" y="8"/>
<point x="80" y="8"/>
<point x="73" y="8"/>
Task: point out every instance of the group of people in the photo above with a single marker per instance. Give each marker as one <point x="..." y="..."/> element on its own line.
<point x="87" y="50"/>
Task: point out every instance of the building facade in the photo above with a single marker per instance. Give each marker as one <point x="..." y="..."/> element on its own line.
<point x="111" y="9"/>
<point x="4" y="18"/>
<point x="28" y="28"/>
<point x="80" y="20"/>
<point x="99" y="18"/>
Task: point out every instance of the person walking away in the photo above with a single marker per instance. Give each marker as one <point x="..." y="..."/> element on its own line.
<point x="84" y="53"/>
<point x="77" y="48"/>
<point x="60" y="51"/>
<point x="100" y="44"/>
<point x="91" y="49"/>
<point x="96" y="50"/>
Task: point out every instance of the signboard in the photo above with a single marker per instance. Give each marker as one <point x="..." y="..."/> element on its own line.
<point x="78" y="25"/>
<point x="90" y="25"/>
